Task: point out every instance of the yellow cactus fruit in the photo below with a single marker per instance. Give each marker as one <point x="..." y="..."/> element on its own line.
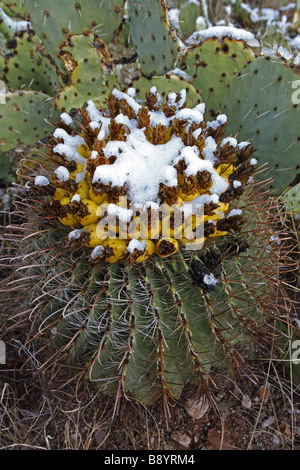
<point x="214" y="217"/>
<point x="83" y="150"/>
<point x="223" y="207"/>
<point x="152" y="230"/>
<point x="149" y="251"/>
<point x="98" y="198"/>
<point x="168" y="229"/>
<point x="134" y="228"/>
<point x="60" y="194"/>
<point x="91" y="217"/>
<point x="80" y="168"/>
<point x="83" y="190"/>
<point x="94" y="239"/>
<point x="166" y="247"/>
<point x="65" y="200"/>
<point x="115" y="249"/>
<point x="188" y="197"/>
<point x="217" y="233"/>
<point x="225" y="170"/>
<point x="102" y="208"/>
<point x="69" y="219"/>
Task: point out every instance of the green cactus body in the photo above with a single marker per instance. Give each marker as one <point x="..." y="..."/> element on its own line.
<point x="276" y="103"/>
<point x="20" y="119"/>
<point x="27" y="66"/>
<point x="155" y="41"/>
<point x="138" y="317"/>
<point x="291" y="199"/>
<point x="14" y="9"/>
<point x="6" y="34"/>
<point x="55" y="21"/>
<point x="189" y="13"/>
<point x="165" y="85"/>
<point x="86" y="66"/>
<point x="6" y="172"/>
<point x="212" y="64"/>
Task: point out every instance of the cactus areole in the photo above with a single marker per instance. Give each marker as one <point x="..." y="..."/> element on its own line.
<point x="148" y="277"/>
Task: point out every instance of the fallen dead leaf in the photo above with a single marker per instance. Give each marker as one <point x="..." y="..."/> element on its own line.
<point x="217" y="441"/>
<point x="239" y="421"/>
<point x="264" y="393"/>
<point x="268" y="422"/>
<point x="99" y="436"/>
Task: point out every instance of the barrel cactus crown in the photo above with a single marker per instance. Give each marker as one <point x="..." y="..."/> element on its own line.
<point x="131" y="182"/>
<point x="139" y="312"/>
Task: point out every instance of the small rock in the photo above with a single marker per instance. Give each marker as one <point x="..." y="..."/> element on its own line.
<point x="183" y="439"/>
<point x="246" y="402"/>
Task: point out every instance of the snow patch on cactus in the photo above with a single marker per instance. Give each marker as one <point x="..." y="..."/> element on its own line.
<point x="62" y="173"/>
<point x="136" y="245"/>
<point x="16" y="26"/>
<point x="97" y="251"/>
<point x="121" y="213"/>
<point x="66" y="118"/>
<point x="70" y="145"/>
<point x="140" y="165"/>
<point x="75" y="234"/>
<point x="220" y="32"/>
<point x="210" y="280"/>
<point x="41" y="181"/>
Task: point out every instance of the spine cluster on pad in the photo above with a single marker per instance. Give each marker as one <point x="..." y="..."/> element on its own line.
<point x="143" y="168"/>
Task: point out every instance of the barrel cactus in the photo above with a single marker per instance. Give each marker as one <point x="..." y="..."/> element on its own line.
<point x="139" y="299"/>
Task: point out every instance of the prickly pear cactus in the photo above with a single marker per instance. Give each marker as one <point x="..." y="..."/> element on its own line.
<point x="28" y="66"/>
<point x="212" y="64"/>
<point x="136" y="302"/>
<point x="155" y="40"/>
<point x="188" y="15"/>
<point x="291" y="199"/>
<point x="89" y="63"/>
<point x="22" y="119"/>
<point x="54" y="21"/>
<point x="70" y="58"/>
<point x="262" y="102"/>
<point x="15" y="9"/>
